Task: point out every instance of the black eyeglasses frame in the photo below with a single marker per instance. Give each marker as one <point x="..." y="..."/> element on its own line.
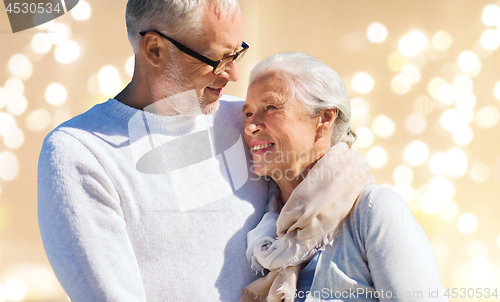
<point x="218" y="66"/>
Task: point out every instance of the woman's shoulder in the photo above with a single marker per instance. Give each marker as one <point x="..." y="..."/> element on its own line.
<point x="379" y="199"/>
<point x="377" y="206"/>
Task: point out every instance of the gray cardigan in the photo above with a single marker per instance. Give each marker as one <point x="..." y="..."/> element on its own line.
<point x="380" y="254"/>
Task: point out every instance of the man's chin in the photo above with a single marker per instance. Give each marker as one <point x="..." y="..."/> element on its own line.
<point x="211" y="108"/>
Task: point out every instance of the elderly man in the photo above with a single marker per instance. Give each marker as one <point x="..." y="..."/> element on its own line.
<point x="148" y="196"/>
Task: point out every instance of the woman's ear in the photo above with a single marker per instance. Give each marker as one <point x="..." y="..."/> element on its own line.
<point x="326" y="119"/>
<point x="153" y="48"/>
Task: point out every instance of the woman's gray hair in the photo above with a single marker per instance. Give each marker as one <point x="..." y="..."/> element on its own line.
<point x="316" y="85"/>
<point x="172" y="17"/>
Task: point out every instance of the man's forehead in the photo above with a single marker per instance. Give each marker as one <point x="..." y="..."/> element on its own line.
<point x="225" y="30"/>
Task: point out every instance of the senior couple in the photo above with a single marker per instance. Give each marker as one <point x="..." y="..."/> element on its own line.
<point x="315" y="226"/>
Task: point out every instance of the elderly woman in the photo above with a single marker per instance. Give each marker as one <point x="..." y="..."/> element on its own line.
<point x="354" y="240"/>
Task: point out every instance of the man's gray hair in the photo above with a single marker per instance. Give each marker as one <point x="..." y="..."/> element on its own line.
<point x="316" y="85"/>
<point x="172" y="17"/>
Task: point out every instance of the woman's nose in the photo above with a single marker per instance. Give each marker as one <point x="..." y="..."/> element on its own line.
<point x="253" y="127"/>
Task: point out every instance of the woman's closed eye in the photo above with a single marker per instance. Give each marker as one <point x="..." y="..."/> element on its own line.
<point x="269" y="107"/>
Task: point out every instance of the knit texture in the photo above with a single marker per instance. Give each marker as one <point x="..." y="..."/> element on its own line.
<point x="113" y="233"/>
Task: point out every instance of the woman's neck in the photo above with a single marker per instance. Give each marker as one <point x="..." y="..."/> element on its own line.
<point x="288" y="183"/>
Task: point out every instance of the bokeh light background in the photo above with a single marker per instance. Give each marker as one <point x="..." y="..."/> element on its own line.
<point x="424" y="80"/>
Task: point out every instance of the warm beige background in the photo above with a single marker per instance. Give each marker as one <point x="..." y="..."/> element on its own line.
<point x="333" y="31"/>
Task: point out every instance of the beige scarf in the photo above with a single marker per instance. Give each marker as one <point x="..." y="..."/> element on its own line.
<point x="308" y="221"/>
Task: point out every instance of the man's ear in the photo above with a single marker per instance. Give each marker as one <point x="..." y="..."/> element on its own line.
<point x="154" y="49"/>
<point x="326" y="119"/>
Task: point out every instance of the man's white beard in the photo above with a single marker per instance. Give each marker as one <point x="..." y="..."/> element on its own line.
<point x="184" y="101"/>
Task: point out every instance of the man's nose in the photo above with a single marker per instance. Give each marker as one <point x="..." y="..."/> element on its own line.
<point x="231" y="72"/>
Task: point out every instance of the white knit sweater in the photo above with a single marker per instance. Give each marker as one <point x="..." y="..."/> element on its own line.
<point x="133" y="206"/>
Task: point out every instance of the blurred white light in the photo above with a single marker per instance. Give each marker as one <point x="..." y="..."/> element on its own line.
<point x="412" y="43"/>
<point x="383" y="126"/>
<point x="446" y="94"/>
<point x="376" y="32"/>
<point x="14" y="138"/>
<point x="481" y="264"/>
<point x="41" y="43"/>
<point x="4" y="97"/>
<point x="440" y="187"/>
<point x="15" y="290"/>
<point x="405" y="190"/>
<point x="490" y="39"/>
<point x="82" y="11"/>
<point x="400" y="84"/>
<point x="360" y="108"/>
<point x="109" y="80"/>
<point x="457" y="162"/>
<point x="431" y="204"/>
<point x="396" y="61"/>
<point x="463" y="82"/>
<point x="17" y="104"/>
<point x="496" y="91"/>
<point x="487" y="117"/>
<point x="467" y="223"/>
<point x="9" y="165"/>
<point x="436" y="194"/>
<point x="376" y="157"/>
<point x="423" y="104"/>
<point x="449" y="210"/>
<point x="14" y="86"/>
<point x="402" y="174"/>
<point x="129" y="65"/>
<point x="438" y="163"/>
<point x="415" y="202"/>
<point x="411" y="72"/>
<point x="491" y="15"/>
<point x="365" y="137"/>
<point x="497" y="241"/>
<point x="479" y="172"/>
<point x="434" y="86"/>
<point x="477" y="249"/>
<point x="416" y="123"/>
<point x="416" y="153"/>
<point x="468" y="62"/>
<point x="67" y="52"/>
<point x="19" y="65"/>
<point x="362" y="82"/>
<point x="354" y="41"/>
<point x="58" y="33"/>
<point x="7" y="123"/>
<point x="451" y="119"/>
<point x="442" y="40"/>
<point x="462" y="135"/>
<point x="38" y="120"/>
<point x="481" y="272"/>
<point x="466" y="100"/>
<point x="56" y="94"/>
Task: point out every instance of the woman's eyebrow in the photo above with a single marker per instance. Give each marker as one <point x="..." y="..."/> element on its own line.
<point x="245" y="107"/>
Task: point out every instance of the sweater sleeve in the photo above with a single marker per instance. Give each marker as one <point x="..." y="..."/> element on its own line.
<point x="399" y="255"/>
<point x="82" y="224"/>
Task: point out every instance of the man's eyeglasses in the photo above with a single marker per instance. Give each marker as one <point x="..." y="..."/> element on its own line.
<point x="219" y="66"/>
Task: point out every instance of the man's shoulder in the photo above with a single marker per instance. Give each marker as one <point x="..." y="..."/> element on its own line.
<point x="229" y="103"/>
<point x="229" y="113"/>
<point x="92" y="124"/>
